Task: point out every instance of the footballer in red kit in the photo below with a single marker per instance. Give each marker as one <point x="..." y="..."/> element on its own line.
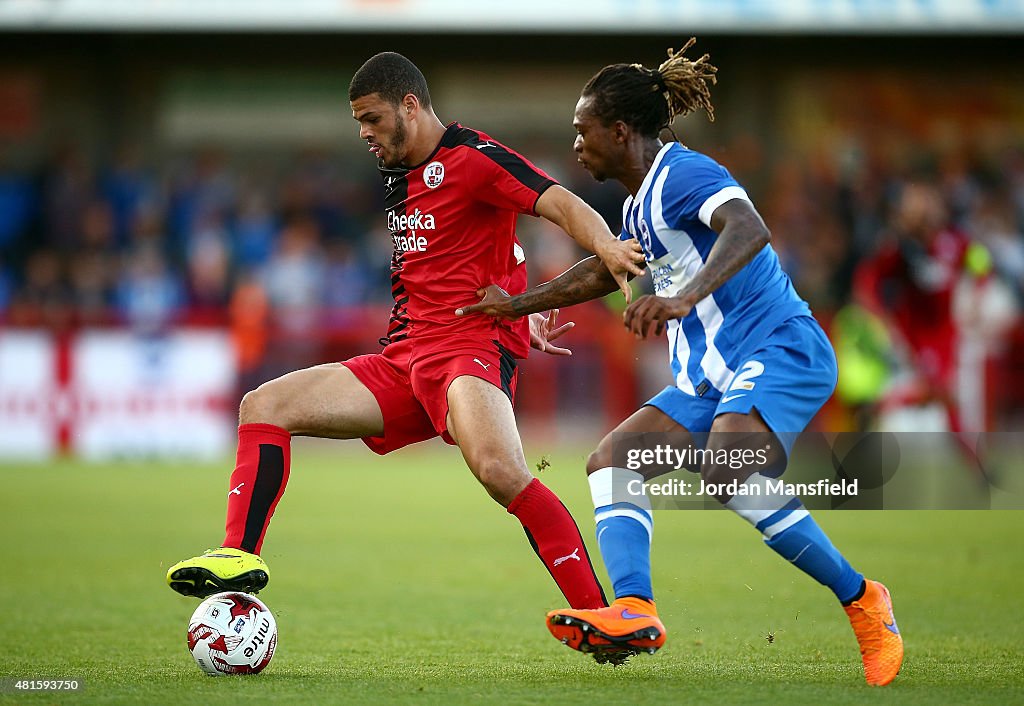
<point x="452" y="196"/>
<point x="452" y="219"/>
<point x="910" y="285"/>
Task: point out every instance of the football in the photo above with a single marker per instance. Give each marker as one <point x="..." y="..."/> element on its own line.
<point x="232" y="633"/>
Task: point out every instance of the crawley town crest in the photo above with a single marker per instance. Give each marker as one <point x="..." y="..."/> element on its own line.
<point x="433" y="175"/>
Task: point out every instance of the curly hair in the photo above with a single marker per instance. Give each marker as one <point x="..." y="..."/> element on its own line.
<point x="392" y="76"/>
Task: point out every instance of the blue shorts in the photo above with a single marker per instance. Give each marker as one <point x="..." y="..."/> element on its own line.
<point x="788" y="377"/>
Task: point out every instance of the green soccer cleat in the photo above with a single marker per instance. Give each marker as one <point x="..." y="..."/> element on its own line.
<point x="218" y="570"/>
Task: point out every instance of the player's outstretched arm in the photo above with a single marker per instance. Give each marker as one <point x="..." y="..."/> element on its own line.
<point x="586" y="280"/>
<point x="584" y="225"/>
<point x="741" y="235"/>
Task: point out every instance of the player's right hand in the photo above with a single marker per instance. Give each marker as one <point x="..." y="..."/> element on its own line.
<point x="624" y="259"/>
<point x="650" y="313"/>
<point x="494" y="301"/>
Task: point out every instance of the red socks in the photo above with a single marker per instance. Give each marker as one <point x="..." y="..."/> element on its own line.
<point x="557" y="541"/>
<point x="261" y="473"/>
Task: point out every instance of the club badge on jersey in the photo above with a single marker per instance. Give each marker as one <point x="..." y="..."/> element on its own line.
<point x="433" y="175"/>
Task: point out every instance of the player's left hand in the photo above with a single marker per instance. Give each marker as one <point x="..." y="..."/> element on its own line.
<point x="544" y="329"/>
<point x="650" y="313"/>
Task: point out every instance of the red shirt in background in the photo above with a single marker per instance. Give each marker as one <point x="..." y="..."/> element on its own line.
<point x="911" y="283"/>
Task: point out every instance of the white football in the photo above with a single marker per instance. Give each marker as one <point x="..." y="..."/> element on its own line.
<point x="232" y="633"/>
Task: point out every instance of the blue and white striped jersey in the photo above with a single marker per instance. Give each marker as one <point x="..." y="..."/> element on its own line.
<point x="671" y="218"/>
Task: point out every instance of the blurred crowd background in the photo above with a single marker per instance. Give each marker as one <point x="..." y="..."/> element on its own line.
<point x="155" y="182"/>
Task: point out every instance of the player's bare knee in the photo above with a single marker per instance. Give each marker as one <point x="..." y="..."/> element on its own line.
<point x="599" y="458"/>
<point x="717" y="476"/>
<point x="261" y="406"/>
<point x="723" y="474"/>
<point x="715" y="473"/>
<point x="501" y="479"/>
<point x="247" y="407"/>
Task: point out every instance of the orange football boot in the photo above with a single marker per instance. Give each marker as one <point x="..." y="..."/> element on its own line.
<point x="881" y="645"/>
<point x="613" y="634"/>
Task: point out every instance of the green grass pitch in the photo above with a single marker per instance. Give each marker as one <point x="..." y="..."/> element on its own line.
<point x="398" y="580"/>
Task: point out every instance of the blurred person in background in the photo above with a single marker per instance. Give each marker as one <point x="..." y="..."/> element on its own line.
<point x="7" y="288"/>
<point x="208" y="267"/>
<point x="203" y="188"/>
<point x="249" y="316"/>
<point x="346" y="281"/>
<point x="294" y="280"/>
<point x="18" y="204"/>
<point x="43" y="299"/>
<point x="68" y="190"/>
<point x="90" y="278"/>
<point x="910" y="284"/>
<point x="452" y="196"/>
<point x="150" y="295"/>
<point x="315" y="186"/>
<point x="294" y="276"/>
<point x="255" y="229"/>
<point x="127" y="186"/>
<point x="864" y="353"/>
<point x="994" y="223"/>
<point x="993" y="313"/>
<point x="93" y="266"/>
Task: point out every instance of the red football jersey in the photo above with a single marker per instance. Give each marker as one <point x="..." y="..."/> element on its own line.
<point x="452" y="219"/>
<point x="914" y="284"/>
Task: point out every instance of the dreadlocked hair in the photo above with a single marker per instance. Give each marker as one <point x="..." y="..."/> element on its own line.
<point x="648" y="100"/>
<point x="686" y="82"/>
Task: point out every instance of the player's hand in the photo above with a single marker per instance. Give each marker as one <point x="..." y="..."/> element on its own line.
<point x="622" y="258"/>
<point x="494" y="301"/>
<point x="650" y="313"/>
<point x="544" y="329"/>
